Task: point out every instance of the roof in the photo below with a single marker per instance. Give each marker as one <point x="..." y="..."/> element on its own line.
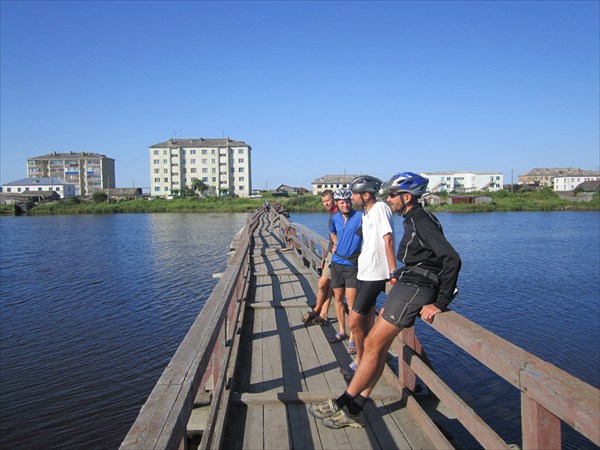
<point x="555" y="172"/>
<point x="71" y="155"/>
<point x="589" y="186"/>
<point x="200" y="142"/>
<point x="122" y="191"/>
<point x="46" y="181"/>
<point x="329" y="179"/>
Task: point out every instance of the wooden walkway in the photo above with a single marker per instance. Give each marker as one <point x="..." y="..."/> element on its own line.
<point x="283" y="366"/>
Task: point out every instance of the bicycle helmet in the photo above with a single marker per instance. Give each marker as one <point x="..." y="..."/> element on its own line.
<point x="365" y="183"/>
<point x="407" y="182"/>
<point x="342" y="194"/>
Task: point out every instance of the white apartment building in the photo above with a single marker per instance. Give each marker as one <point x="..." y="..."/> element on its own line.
<point x="223" y="164"/>
<point x="569" y="183"/>
<point x="464" y="181"/>
<point x="89" y="172"/>
<point x="40" y="185"/>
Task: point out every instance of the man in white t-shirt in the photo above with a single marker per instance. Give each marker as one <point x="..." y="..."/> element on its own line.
<point x="376" y="262"/>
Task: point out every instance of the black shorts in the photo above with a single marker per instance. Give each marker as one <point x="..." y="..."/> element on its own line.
<point x="366" y="297"/>
<point x="404" y="303"/>
<point x="343" y="276"/>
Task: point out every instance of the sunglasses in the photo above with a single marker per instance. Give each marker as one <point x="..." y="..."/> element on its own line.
<point x="393" y="194"/>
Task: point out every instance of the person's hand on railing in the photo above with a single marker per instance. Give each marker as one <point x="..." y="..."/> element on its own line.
<point x="428" y="311"/>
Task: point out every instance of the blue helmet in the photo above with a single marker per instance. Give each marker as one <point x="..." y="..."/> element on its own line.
<point x="342" y="194"/>
<point x="407" y="182"/>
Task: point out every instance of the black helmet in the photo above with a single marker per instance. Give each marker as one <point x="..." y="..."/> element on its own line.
<point x="365" y="183"/>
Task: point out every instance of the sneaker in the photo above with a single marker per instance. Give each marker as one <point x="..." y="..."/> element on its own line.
<point x="323" y="410"/>
<point x="310" y="318"/>
<point x="343" y="418"/>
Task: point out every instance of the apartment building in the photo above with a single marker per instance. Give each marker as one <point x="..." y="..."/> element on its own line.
<point x="464" y="181"/>
<point x="569" y="183"/>
<point x="223" y="164"/>
<point x="544" y="177"/>
<point x="89" y="172"/>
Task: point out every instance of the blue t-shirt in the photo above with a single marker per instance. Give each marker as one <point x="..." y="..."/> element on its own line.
<point x="348" y="241"/>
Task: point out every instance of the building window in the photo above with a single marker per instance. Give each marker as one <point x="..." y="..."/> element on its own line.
<point x="155" y="152"/>
<point x="165" y="161"/>
<point x="192" y="152"/>
<point x="241" y="188"/>
<point x="213" y="152"/>
<point x="204" y="170"/>
<point x="214" y="179"/>
<point x="166" y="170"/>
<point x="240" y="151"/>
<point x="157" y="161"/>
<point x="205" y="179"/>
<point x="241" y="160"/>
<point x="241" y="170"/>
<point x="157" y="189"/>
<point x="204" y="160"/>
<point x="166" y="180"/>
<point x="157" y="180"/>
<point x="192" y="161"/>
<point x="204" y="152"/>
<point x="241" y="179"/>
<point x="193" y="170"/>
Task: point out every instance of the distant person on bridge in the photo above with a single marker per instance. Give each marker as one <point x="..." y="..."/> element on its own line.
<point x="319" y="315"/>
<point x="375" y="263"/>
<point x="425" y="286"/>
<point x="345" y="234"/>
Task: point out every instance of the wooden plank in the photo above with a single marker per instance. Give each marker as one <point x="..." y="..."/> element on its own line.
<point x="413" y="434"/>
<point x="254" y="425"/>
<point x="276" y="431"/>
<point x="384" y="427"/>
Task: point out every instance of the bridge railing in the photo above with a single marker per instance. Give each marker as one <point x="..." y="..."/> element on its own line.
<point x="548" y="394"/>
<point x="201" y="364"/>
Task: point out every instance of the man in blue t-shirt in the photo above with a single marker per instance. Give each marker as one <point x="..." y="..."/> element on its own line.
<point x="345" y="234"/>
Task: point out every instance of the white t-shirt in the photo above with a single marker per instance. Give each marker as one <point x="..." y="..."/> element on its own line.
<point x="372" y="262"/>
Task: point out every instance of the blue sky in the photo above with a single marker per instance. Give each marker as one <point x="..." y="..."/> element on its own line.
<point x="314" y="87"/>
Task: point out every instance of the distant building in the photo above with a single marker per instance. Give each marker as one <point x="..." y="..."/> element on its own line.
<point x="89" y="172"/>
<point x="569" y="183"/>
<point x="39" y="186"/>
<point x="223" y="164"/>
<point x="332" y="182"/>
<point x="118" y="194"/>
<point x="464" y="181"/>
<point x="544" y="177"/>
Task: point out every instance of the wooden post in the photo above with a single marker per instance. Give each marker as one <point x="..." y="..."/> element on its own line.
<point x="541" y="428"/>
<point x="405" y="373"/>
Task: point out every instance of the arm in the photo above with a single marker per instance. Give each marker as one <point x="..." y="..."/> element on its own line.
<point x="389" y="252"/>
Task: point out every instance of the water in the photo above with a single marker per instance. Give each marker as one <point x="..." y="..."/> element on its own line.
<point x="531" y="278"/>
<point x="93" y="307"/>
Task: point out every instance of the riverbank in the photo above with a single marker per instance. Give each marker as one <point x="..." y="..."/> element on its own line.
<point x="501" y="201"/>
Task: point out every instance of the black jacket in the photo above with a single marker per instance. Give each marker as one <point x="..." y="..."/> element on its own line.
<point x="424" y="245"/>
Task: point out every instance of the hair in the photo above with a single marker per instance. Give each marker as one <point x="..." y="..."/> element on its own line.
<point x="327" y="192"/>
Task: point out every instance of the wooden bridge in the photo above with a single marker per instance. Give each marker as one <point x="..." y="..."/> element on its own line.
<point x="247" y="370"/>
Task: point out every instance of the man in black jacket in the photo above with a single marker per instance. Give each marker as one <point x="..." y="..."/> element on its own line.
<point x="424" y="286"/>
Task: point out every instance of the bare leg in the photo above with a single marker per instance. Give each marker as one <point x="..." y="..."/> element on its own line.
<point x="376" y="346"/>
<point x="339" y="308"/>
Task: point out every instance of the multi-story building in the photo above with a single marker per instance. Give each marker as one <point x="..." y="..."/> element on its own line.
<point x="222" y="164"/>
<point x="569" y="183"/>
<point x="40" y="185"/>
<point x="89" y="172"/>
<point x="332" y="182"/>
<point x="544" y="177"/>
<point x="464" y="181"/>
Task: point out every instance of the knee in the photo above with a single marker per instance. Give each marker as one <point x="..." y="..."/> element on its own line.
<point x="323" y="283"/>
<point x="355" y="321"/>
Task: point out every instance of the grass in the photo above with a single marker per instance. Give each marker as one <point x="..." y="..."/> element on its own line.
<point x="540" y="200"/>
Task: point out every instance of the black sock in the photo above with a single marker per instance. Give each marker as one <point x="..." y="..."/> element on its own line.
<point x="357" y="405"/>
<point x="344" y="400"/>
